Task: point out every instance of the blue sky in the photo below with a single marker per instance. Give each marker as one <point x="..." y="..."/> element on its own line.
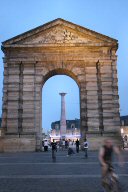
<point x="52" y="100"/>
<point x="109" y="17"/>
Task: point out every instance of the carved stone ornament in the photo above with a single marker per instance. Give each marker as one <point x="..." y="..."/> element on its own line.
<point x="58" y="35"/>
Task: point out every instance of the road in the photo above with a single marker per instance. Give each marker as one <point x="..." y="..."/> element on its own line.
<point x="35" y="172"/>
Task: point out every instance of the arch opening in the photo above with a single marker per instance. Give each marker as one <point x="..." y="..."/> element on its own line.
<point x="55" y="82"/>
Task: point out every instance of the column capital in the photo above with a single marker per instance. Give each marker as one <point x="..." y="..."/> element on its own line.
<point x="62" y="94"/>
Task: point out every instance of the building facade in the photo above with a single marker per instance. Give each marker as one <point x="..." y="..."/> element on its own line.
<point x="72" y="130"/>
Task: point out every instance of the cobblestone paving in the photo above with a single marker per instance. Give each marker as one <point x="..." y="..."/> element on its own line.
<point x="35" y="172"/>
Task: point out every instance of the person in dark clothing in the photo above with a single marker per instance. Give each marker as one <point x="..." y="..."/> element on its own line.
<point x="106" y="154"/>
<point x="42" y="143"/>
<point x="66" y="144"/>
<point x="54" y="150"/>
<point x="125" y="138"/>
<point x="77" y="145"/>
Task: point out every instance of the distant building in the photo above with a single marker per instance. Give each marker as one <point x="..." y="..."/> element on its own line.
<point x="124" y="120"/>
<point x="72" y="129"/>
<point x="124" y="125"/>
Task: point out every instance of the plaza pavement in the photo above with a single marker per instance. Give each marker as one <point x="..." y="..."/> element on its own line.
<point x="35" y="172"/>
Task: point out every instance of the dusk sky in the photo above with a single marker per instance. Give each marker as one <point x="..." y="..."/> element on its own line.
<point x="109" y="17"/>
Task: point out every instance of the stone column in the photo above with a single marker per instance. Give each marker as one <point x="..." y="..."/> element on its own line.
<point x="63" y="116"/>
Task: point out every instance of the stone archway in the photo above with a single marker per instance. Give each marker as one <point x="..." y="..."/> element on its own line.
<point x="59" y="47"/>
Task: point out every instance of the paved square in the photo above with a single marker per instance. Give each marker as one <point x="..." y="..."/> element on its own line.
<point x="35" y="172"/>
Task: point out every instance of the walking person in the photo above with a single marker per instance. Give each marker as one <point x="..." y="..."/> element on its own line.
<point x="125" y="141"/>
<point x="45" y="145"/>
<point x="63" y="144"/>
<point x="70" y="150"/>
<point x="86" y="148"/>
<point x="42" y="144"/>
<point x="54" y="150"/>
<point x="77" y="145"/>
<point x="60" y="144"/>
<point x="66" y="144"/>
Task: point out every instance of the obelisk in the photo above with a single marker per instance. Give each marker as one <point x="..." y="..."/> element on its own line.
<point x="63" y="117"/>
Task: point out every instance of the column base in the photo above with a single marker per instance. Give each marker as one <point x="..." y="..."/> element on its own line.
<point x="17" y="143"/>
<point x="96" y="139"/>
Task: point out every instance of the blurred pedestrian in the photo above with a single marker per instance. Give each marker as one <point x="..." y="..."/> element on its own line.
<point x="45" y="145"/>
<point x="60" y="144"/>
<point x="105" y="158"/>
<point x="63" y="144"/>
<point x="86" y="148"/>
<point x="66" y="144"/>
<point x="70" y="149"/>
<point x="54" y="150"/>
<point x="77" y="145"/>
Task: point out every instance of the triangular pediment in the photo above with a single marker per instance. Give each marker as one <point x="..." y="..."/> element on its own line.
<point x="59" y="32"/>
<point x="57" y="35"/>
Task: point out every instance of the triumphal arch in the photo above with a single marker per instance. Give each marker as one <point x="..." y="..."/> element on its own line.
<point x="59" y="47"/>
